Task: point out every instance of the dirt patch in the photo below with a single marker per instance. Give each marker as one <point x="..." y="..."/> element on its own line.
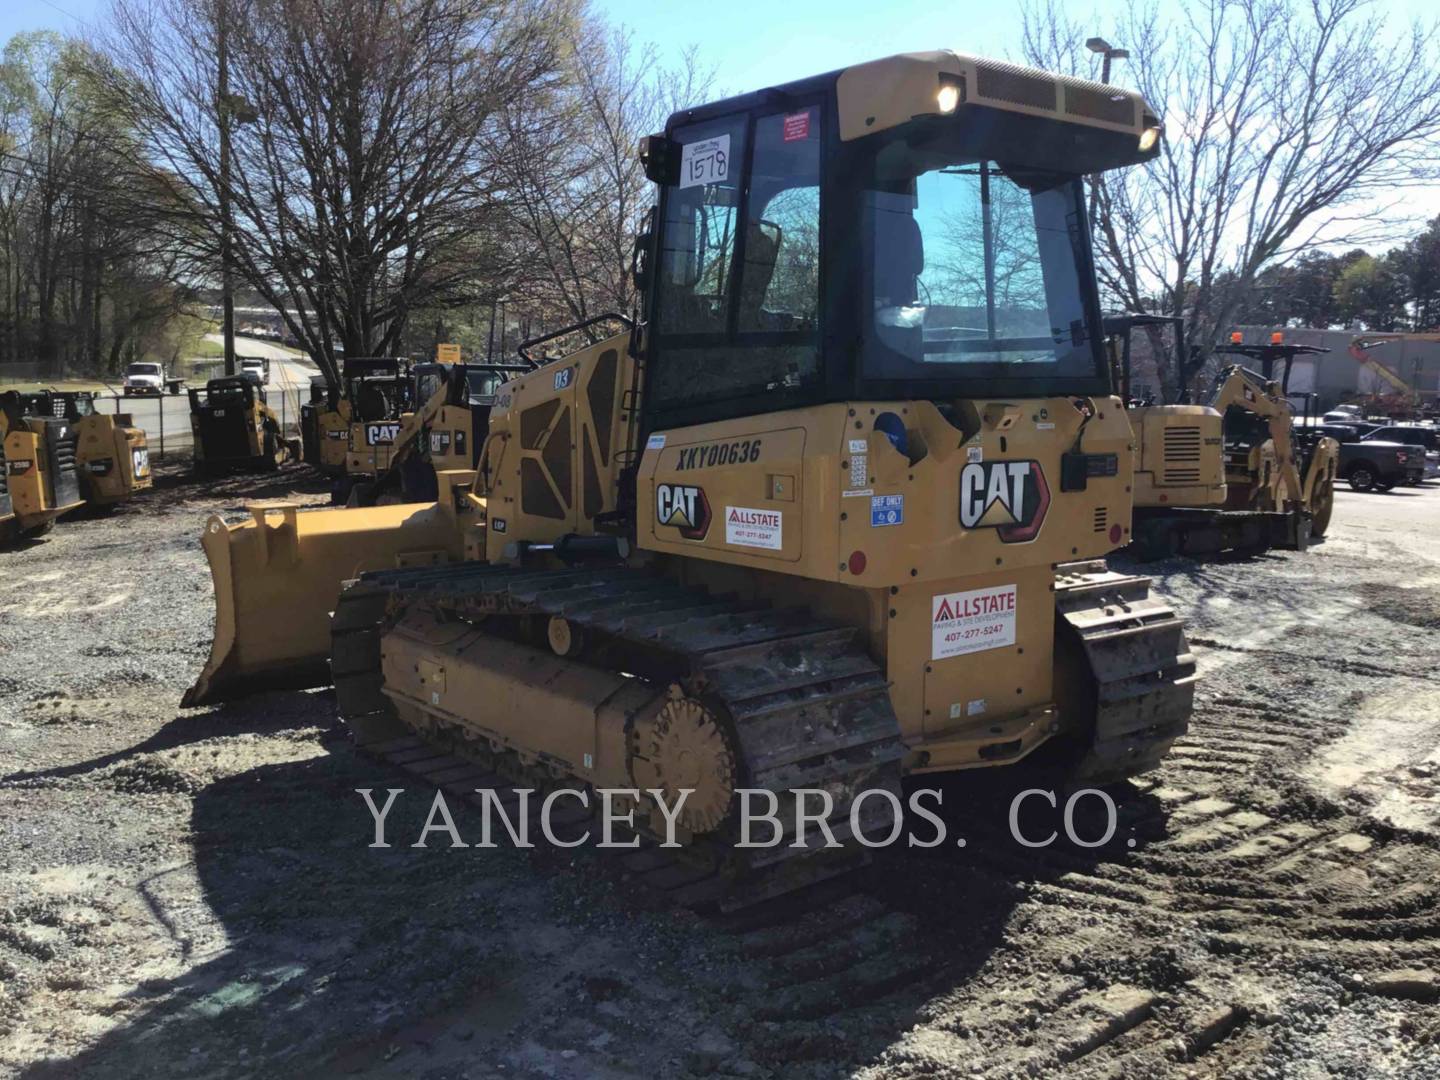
<point x="1411" y="606"/>
<point x="191" y="892"/>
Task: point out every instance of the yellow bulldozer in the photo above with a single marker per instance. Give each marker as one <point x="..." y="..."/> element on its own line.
<point x="833" y="513"/>
<point x="376" y="394"/>
<point x="38" y="476"/>
<point x="112" y="455"/>
<point x="282" y="559"/>
<point x="1234" y="473"/>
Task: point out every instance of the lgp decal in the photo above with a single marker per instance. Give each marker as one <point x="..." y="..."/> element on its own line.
<point x="1010" y="497"/>
<point x="709" y="455"/>
<point x="381" y="434"/>
<point x="683" y="507"/>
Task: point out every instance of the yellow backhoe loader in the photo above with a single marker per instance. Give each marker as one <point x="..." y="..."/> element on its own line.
<point x="112" y="455"/>
<point x="38" y="480"/>
<point x="835" y="512"/>
<point x="233" y="426"/>
<point x="1234" y="473"/>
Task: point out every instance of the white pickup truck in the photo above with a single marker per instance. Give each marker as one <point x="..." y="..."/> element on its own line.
<point x="259" y="366"/>
<point x="148" y="378"/>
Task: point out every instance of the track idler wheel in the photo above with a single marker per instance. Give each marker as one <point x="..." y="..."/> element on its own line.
<point x="684" y="746"/>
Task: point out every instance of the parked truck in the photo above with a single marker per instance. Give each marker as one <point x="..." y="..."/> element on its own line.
<point x="145" y="377"/>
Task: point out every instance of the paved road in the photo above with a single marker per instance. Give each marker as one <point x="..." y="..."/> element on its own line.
<point x="166" y="420"/>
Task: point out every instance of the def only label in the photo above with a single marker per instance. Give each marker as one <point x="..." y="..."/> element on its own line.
<point x="887" y="510"/>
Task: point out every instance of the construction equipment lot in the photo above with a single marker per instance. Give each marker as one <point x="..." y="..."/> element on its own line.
<point x="190" y="893"/>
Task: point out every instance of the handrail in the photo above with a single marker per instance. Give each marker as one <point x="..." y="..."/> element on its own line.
<point x="604" y="317"/>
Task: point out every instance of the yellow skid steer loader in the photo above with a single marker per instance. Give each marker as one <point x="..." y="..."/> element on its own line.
<point x="38" y="478"/>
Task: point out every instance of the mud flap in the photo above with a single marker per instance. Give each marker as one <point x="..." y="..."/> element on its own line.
<point x="277" y="578"/>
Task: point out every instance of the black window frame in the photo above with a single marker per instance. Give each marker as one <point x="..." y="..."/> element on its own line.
<point x="1049" y="145"/>
<point x="752" y="107"/>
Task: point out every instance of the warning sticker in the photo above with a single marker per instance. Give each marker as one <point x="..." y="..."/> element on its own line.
<point x="797" y="126"/>
<point x="859" y="470"/>
<point x="705" y="162"/>
<point x="974" y="621"/>
<point x="753" y="528"/>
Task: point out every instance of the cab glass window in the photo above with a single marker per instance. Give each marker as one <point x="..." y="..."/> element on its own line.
<point x="701" y="218"/>
<point x="739" y="283"/>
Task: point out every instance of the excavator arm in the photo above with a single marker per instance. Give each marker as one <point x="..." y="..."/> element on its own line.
<point x="1239" y="387"/>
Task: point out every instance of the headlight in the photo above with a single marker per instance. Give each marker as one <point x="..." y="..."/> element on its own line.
<point x="1149" y="137"/>
<point x="951" y="92"/>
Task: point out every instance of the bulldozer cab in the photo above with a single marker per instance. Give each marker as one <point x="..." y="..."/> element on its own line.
<point x="954" y="246"/>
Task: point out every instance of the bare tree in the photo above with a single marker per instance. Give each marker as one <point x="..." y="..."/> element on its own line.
<point x="361" y="182"/>
<point x="87" y="270"/>
<point x="574" y="187"/>
<point x="1289" y="123"/>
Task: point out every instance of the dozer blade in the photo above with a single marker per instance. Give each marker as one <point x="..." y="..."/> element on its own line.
<point x="277" y="577"/>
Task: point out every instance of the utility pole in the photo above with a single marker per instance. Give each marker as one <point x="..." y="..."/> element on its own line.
<point x="222" y="110"/>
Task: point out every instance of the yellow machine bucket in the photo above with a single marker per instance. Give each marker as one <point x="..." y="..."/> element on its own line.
<point x="277" y="577"/>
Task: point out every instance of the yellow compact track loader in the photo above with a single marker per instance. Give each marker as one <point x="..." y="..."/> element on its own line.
<point x="836" y="512"/>
<point x="377" y="393"/>
<point x="325" y="428"/>
<point x="112" y="456"/>
<point x="444" y="434"/>
<point x="38" y="479"/>
<point x="1233" y="474"/>
<point x="234" y="427"/>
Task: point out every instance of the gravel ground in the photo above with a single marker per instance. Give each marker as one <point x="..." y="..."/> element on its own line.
<point x="189" y="892"/>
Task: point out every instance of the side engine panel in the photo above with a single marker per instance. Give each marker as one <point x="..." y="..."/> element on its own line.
<point x="556" y="447"/>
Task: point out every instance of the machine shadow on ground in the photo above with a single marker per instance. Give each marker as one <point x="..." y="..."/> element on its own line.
<point x="356" y="950"/>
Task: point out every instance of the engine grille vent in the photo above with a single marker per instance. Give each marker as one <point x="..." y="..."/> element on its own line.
<point x="1099" y="104"/>
<point x="1004" y="82"/>
<point x="1101" y="518"/>
<point x="61" y="439"/>
<point x="1182" y="444"/>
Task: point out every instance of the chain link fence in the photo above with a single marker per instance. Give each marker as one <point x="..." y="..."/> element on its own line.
<point x="165" y="418"/>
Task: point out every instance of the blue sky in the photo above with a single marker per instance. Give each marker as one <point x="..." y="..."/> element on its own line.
<point x="758" y="43"/>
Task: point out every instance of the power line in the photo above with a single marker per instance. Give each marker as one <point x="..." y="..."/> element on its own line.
<point x="62" y="11"/>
